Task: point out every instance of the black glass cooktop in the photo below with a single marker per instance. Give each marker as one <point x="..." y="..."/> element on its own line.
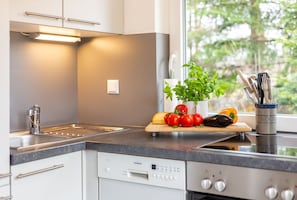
<point x="280" y="144"/>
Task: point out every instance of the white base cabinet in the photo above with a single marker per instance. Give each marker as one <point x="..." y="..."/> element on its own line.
<point x="5" y="193"/>
<point x="4" y="101"/>
<point x="90" y="175"/>
<point x="58" y="178"/>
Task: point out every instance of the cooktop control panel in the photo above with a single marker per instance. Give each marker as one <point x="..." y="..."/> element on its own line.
<point x="240" y="182"/>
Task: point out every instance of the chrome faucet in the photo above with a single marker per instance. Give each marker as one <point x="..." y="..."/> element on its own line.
<point x="34" y="119"/>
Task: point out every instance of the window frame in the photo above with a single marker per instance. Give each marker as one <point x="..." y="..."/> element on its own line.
<point x="177" y="31"/>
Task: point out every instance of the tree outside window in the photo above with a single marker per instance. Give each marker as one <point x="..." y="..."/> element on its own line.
<point x="250" y="35"/>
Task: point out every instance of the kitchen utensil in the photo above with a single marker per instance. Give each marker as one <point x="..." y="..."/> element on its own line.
<point x="248" y="89"/>
<point x="245" y="81"/>
<point x="265" y="87"/>
<point x="259" y="87"/>
<point x="253" y="84"/>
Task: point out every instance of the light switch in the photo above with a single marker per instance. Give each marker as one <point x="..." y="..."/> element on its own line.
<point x="113" y="87"/>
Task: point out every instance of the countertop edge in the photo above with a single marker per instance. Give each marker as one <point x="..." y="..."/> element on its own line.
<point x="190" y="154"/>
<point x="137" y="151"/>
<point x="23" y="157"/>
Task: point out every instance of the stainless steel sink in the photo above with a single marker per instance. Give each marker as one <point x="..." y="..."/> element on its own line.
<point x="80" y="130"/>
<point x="58" y="135"/>
<point x="31" y="142"/>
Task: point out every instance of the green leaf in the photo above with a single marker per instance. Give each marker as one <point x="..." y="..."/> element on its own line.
<point x="197" y="87"/>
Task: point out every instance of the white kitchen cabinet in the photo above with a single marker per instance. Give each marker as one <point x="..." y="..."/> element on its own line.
<point x="4" y="100"/>
<point x="90" y="175"/>
<point x="96" y="15"/>
<point x="5" y="193"/>
<point x="58" y="178"/>
<point x="45" y="12"/>
<point x="91" y="15"/>
<point x="146" y="16"/>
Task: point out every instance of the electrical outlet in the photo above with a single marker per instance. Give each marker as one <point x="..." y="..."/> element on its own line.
<point x="113" y="87"/>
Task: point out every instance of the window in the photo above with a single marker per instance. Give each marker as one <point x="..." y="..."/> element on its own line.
<point x="250" y="35"/>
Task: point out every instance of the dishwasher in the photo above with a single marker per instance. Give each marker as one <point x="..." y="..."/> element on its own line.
<point x="126" y="177"/>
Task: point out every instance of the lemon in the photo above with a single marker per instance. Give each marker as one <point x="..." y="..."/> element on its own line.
<point x="158" y="118"/>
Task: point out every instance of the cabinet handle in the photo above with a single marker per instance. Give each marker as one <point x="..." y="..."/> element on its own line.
<point x="6" y="198"/>
<point x="28" y="13"/>
<point x="83" y="21"/>
<point x="39" y="171"/>
<point x="5" y="175"/>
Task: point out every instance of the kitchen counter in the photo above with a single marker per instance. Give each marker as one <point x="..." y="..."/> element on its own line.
<point x="177" y="146"/>
<point x="27" y="156"/>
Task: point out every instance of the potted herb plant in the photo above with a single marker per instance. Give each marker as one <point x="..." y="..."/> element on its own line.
<point x="198" y="87"/>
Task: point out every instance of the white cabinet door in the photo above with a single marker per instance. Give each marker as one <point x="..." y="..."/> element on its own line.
<point x="4" y="100"/>
<point x="95" y="15"/>
<point x="90" y="175"/>
<point x="58" y="178"/>
<point x="5" y="193"/>
<point x="112" y="16"/>
<point x="45" y="12"/>
<point x="140" y="20"/>
<point x="92" y="15"/>
<point x="146" y="16"/>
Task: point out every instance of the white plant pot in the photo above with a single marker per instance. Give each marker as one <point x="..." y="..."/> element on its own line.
<point x="169" y="105"/>
<point x="202" y="108"/>
<point x="191" y="107"/>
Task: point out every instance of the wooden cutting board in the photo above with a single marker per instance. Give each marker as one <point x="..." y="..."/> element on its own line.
<point x="237" y="127"/>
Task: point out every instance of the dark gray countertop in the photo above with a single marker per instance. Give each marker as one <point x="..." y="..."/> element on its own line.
<point x="22" y="157"/>
<point x="177" y="146"/>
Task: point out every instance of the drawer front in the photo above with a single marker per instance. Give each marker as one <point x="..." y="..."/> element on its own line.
<point x="58" y="178"/>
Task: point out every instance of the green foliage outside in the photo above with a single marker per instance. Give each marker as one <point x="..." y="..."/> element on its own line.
<point x="252" y="35"/>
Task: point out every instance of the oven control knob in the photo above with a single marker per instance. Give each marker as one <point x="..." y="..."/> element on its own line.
<point x="271" y="192"/>
<point x="206" y="184"/>
<point x="220" y="185"/>
<point x="287" y="194"/>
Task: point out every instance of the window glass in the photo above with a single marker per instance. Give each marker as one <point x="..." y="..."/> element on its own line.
<point x="251" y="35"/>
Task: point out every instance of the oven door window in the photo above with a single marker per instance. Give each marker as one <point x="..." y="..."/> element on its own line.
<point x="201" y="196"/>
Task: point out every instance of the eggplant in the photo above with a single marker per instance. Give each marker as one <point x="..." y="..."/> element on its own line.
<point x="218" y="120"/>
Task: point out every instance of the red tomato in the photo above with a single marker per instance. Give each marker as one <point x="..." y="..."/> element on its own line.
<point x="197" y="119"/>
<point x="181" y="109"/>
<point x="186" y="120"/>
<point x="166" y="117"/>
<point x="173" y="119"/>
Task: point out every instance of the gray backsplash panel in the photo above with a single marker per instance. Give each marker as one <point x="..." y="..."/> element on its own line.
<point x="139" y="62"/>
<point x="69" y="81"/>
<point x="42" y="73"/>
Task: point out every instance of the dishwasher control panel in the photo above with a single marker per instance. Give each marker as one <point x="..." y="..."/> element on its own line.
<point x="145" y="170"/>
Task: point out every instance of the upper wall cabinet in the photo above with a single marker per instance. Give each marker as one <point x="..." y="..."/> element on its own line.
<point x="97" y="15"/>
<point x="45" y="12"/>
<point x="151" y="16"/>
<point x="92" y="15"/>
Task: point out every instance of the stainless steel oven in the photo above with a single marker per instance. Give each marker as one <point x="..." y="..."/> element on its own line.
<point x="204" y="196"/>
<point x="207" y="181"/>
<point x="213" y="181"/>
